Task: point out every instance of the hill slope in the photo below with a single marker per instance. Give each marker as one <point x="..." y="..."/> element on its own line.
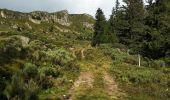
<point x="48" y="56"/>
<point x="77" y="26"/>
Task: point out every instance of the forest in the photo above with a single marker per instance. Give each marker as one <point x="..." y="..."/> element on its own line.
<point x="144" y="29"/>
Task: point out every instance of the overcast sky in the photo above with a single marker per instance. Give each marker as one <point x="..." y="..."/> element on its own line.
<point x="73" y="6"/>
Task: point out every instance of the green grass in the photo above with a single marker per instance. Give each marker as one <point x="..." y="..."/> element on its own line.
<point x="95" y="93"/>
<point x="142" y="83"/>
<point x="62" y="85"/>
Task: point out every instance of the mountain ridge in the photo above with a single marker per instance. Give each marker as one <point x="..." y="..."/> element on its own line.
<point x="60" y="22"/>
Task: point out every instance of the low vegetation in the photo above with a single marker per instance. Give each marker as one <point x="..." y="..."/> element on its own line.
<point x="147" y="82"/>
<point x="44" y="60"/>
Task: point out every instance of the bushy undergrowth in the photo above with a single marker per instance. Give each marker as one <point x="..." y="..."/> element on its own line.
<point x="148" y="83"/>
<point x="38" y="70"/>
<point x="120" y="57"/>
<point x="10" y="48"/>
<point x="18" y="89"/>
<point x="60" y="56"/>
<point x="120" y="54"/>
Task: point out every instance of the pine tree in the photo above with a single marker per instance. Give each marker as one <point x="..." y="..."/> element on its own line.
<point x="117" y="5"/>
<point x="112" y="37"/>
<point x="135" y="14"/>
<point x="99" y="28"/>
<point x="113" y="17"/>
<point x="118" y="23"/>
<point x="157" y="21"/>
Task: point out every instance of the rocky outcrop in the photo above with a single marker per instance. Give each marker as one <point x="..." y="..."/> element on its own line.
<point x="37" y="17"/>
<point x="2" y="14"/>
<point x="13" y="14"/>
<point x="88" y="25"/>
<point x="57" y="17"/>
<point x="62" y="29"/>
<point x="28" y="26"/>
<point x="61" y="18"/>
<point x="35" y="21"/>
<point x="24" y="40"/>
<point x="80" y="25"/>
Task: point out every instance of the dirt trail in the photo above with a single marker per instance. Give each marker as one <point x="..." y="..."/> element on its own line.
<point x="111" y="87"/>
<point x="100" y="64"/>
<point x="85" y="79"/>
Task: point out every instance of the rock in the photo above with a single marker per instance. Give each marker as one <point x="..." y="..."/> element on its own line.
<point x="63" y="21"/>
<point x="28" y="25"/>
<point x="35" y="21"/>
<point x="88" y="25"/>
<point x="18" y="28"/>
<point x="40" y="15"/>
<point x="61" y="17"/>
<point x="62" y="29"/>
<point x="2" y="14"/>
<point x="24" y="40"/>
<point x="71" y="81"/>
<point x="15" y="26"/>
<point x="65" y="97"/>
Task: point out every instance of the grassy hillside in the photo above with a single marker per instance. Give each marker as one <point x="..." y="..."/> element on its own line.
<point x="148" y="82"/>
<point x="37" y="57"/>
<point x="53" y="60"/>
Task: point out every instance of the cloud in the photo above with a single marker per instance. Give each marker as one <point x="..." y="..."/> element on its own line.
<point x="73" y="6"/>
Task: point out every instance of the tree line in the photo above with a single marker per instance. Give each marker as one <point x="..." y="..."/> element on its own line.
<point x="144" y="28"/>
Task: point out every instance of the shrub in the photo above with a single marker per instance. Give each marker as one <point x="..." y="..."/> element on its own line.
<point x="167" y="61"/>
<point x="142" y="80"/>
<point x="60" y="56"/>
<point x="31" y="90"/>
<point x="156" y="63"/>
<point x="46" y="82"/>
<point x="19" y="90"/>
<point x="10" y="48"/>
<point x="50" y="71"/>
<point x="121" y="57"/>
<point x="30" y="70"/>
<point x="33" y="50"/>
<point x="35" y="45"/>
<point x="120" y="46"/>
<point x="15" y="88"/>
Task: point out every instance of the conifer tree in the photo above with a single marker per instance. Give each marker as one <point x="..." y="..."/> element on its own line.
<point x="135" y="14"/>
<point x="111" y="28"/>
<point x="158" y="31"/>
<point x="99" y="27"/>
<point x="117" y="5"/>
<point x="119" y="23"/>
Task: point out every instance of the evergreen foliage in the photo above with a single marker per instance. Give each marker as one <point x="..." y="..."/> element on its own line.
<point x="99" y="27"/>
<point x="143" y="28"/>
